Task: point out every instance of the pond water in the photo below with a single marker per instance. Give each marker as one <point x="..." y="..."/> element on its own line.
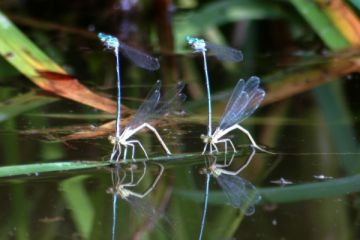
<point x="55" y="176"/>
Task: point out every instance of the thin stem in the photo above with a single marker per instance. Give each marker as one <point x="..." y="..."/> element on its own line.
<point x="203" y="218"/>
<point x="118" y="111"/>
<point x="208" y="94"/>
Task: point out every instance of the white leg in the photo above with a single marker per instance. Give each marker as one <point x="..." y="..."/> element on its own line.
<point x="115" y="175"/>
<point x="231" y="143"/>
<point x="215" y="147"/>
<point x="132" y="158"/>
<point x="125" y="153"/>
<point x="114" y="151"/>
<point x="232" y="158"/>
<point x="131" y="184"/>
<point x="204" y="150"/>
<point x="143" y="174"/>
<point x="132" y="151"/>
<point x="130" y="143"/>
<point x="131" y="176"/>
<point x="141" y="146"/>
<point x="123" y="178"/>
<point x="212" y="159"/>
<point x="242" y="167"/>
<point x="226" y="163"/>
<point x="225" y="144"/>
<point x="253" y="143"/>
<point x="146" y="125"/>
<point x="152" y="185"/>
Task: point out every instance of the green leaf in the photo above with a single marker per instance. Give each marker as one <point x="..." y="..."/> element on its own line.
<point x="22" y="103"/>
<point x="332" y="105"/>
<point x="356" y="4"/>
<point x="321" y="24"/>
<point x="78" y="202"/>
<point x="39" y="168"/>
<point x="19" y="51"/>
<point x="31" y="61"/>
<point x="308" y="191"/>
<point x="220" y="12"/>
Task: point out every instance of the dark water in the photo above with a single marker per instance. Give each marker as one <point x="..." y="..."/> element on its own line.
<point x="310" y="188"/>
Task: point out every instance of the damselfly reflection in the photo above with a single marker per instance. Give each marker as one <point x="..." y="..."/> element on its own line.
<point x="150" y="109"/>
<point x="244" y="100"/>
<point x="121" y="185"/>
<point x="241" y="193"/>
<point x="121" y="188"/>
<point x="138" y="58"/>
<point x="222" y="53"/>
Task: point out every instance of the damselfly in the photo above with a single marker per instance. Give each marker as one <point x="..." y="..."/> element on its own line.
<point x="222" y="53"/>
<point x="137" y="57"/>
<point x="241" y="193"/>
<point x="121" y="188"/>
<point x="244" y="100"/>
<point x="150" y="109"/>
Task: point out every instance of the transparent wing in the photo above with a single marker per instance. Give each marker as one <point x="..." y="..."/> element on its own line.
<point x="172" y="100"/>
<point x="143" y="207"/>
<point x="241" y="193"/>
<point x="225" y="53"/>
<point x="139" y="58"/>
<point x="148" y="213"/>
<point x="147" y="109"/>
<point x="239" y="88"/>
<point x="244" y="100"/>
<point x="237" y="97"/>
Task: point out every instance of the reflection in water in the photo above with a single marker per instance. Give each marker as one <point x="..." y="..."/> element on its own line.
<point x="241" y="193"/>
<point x="121" y="188"/>
<point x="322" y="177"/>
<point x="282" y="182"/>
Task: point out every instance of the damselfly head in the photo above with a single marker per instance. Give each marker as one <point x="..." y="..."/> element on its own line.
<point x="109" y="41"/>
<point x="190" y="40"/>
<point x="197" y="44"/>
